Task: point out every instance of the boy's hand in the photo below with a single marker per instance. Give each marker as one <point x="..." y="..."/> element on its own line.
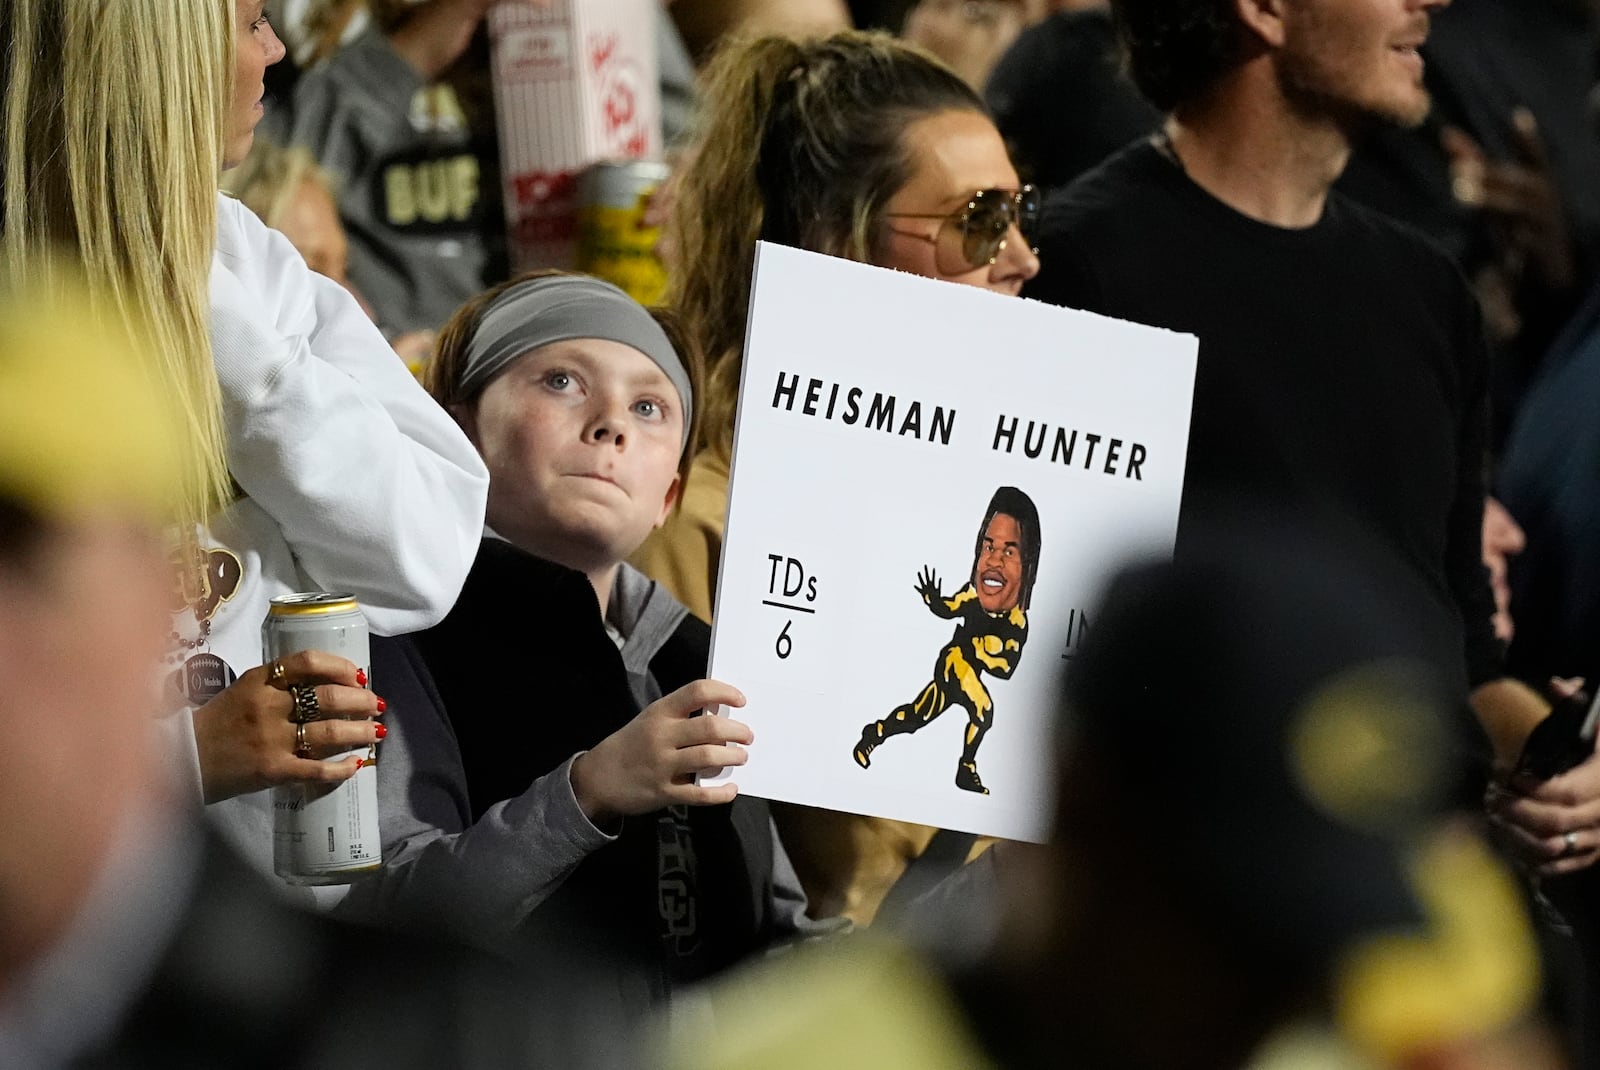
<point x="651" y="762"/>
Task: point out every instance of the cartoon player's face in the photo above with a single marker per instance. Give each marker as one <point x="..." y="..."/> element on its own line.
<point x="997" y="572"/>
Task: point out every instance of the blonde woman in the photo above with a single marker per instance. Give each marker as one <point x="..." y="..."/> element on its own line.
<point x="863" y="147"/>
<point x="319" y="461"/>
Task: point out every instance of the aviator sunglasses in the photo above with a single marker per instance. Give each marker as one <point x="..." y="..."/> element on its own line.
<point x="983" y="222"/>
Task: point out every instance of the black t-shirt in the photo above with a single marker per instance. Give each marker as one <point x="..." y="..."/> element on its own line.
<point x="1342" y="371"/>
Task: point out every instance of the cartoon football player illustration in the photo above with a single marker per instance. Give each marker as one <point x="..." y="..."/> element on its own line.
<point x="991" y="612"/>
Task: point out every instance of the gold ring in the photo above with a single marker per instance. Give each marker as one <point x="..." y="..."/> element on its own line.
<point x="306" y="707"/>
<point x="302" y="749"/>
<point x="275" y="673"/>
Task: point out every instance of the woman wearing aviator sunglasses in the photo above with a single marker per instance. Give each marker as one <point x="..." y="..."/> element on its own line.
<point x="973" y="236"/>
<point x="863" y="147"/>
<point x="968" y="238"/>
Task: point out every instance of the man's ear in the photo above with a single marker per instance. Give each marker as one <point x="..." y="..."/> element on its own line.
<point x="1264" y="19"/>
<point x="669" y="500"/>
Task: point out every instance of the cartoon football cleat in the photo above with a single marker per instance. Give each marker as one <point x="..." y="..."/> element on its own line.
<point x="967" y="778"/>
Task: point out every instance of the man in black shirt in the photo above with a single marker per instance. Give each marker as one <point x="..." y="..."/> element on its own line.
<point x="1342" y="371"/>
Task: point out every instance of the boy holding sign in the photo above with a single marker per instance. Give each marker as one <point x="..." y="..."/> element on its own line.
<point x="572" y="745"/>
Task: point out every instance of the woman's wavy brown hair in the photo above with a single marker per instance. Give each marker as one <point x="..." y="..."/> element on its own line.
<point x="801" y="145"/>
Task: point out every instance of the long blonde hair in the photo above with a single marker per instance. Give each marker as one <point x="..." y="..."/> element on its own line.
<point x="801" y="145"/>
<point x="114" y="119"/>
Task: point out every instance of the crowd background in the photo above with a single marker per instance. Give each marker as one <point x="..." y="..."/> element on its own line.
<point x="1302" y="840"/>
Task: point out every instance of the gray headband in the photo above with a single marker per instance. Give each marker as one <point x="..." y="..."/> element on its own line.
<point x="557" y="308"/>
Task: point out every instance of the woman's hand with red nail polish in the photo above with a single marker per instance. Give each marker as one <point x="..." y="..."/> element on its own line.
<point x="246" y="736"/>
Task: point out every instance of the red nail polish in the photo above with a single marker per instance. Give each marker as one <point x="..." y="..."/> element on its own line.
<point x="380" y="730"/>
<point x="382" y="705"/>
<point x="361" y="678"/>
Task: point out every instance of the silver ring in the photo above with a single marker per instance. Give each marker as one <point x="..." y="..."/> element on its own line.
<point x="1571" y="840"/>
<point x="302" y="748"/>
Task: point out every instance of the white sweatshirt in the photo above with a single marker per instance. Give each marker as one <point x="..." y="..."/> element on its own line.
<point x="354" y="479"/>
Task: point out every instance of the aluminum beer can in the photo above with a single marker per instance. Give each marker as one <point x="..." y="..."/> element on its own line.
<point x="324" y="833"/>
<point x="613" y="242"/>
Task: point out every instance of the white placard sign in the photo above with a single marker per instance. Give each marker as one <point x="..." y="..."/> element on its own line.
<point x="930" y="485"/>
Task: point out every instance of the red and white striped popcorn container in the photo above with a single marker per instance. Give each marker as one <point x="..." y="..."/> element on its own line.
<point x="575" y="82"/>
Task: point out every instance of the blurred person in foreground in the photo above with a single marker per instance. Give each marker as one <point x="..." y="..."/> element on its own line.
<point x="858" y="146"/>
<point x="1279" y="889"/>
<point x="316" y="462"/>
<point x="129" y="936"/>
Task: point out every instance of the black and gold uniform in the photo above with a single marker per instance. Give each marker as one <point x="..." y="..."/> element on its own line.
<point x="991" y="628"/>
<point x="983" y="642"/>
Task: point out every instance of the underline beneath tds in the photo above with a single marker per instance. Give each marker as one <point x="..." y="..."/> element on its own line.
<point x="783" y="605"/>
